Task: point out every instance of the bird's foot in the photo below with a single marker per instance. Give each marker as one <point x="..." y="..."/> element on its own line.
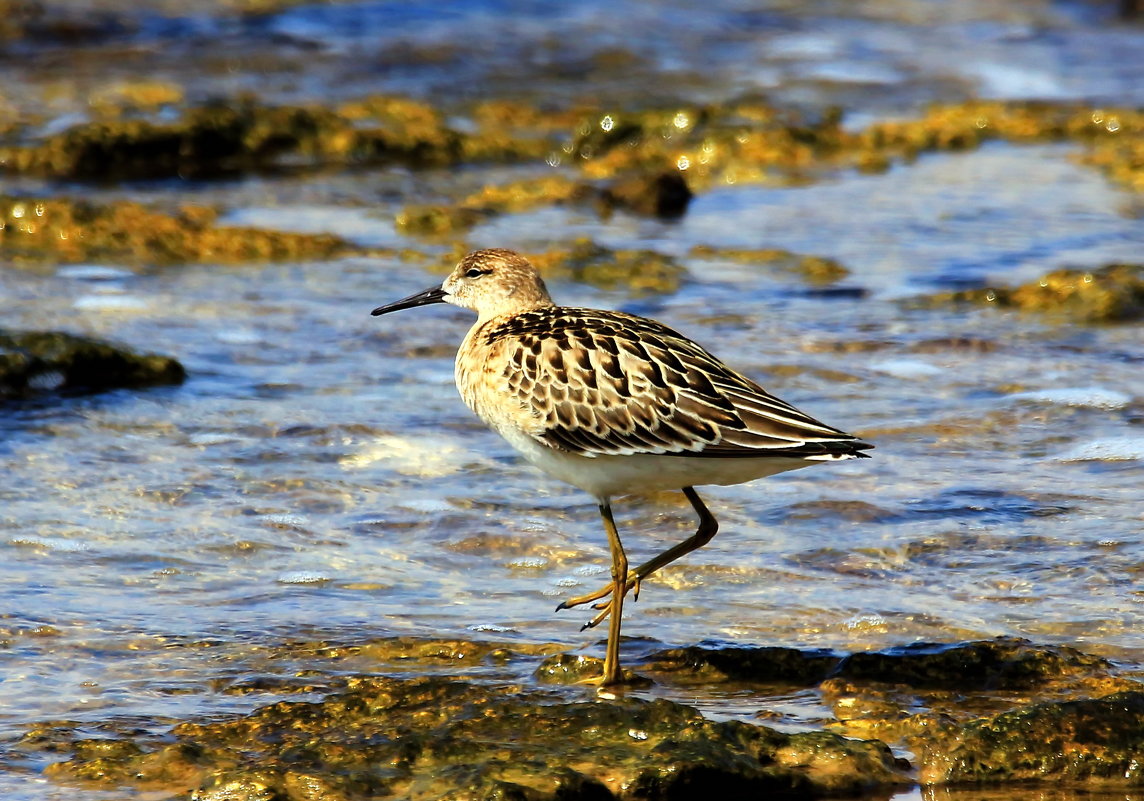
<point x="623" y="680"/>
<point x="633" y="586"/>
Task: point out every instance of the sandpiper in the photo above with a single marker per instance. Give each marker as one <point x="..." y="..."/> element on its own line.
<point x="616" y="404"/>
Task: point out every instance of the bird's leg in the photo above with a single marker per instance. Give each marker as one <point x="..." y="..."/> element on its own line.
<point x="612" y="674"/>
<point x="708" y="526"/>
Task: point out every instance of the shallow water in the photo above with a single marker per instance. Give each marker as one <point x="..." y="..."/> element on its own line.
<point x="317" y="477"/>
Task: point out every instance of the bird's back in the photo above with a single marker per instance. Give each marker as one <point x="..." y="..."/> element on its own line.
<point x="598" y="383"/>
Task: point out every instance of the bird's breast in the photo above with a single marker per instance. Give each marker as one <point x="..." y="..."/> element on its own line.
<point x="483" y="373"/>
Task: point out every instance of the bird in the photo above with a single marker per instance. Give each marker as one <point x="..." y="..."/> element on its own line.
<point x="616" y="404"/>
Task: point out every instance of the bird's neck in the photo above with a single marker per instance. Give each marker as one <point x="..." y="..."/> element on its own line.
<point x="511" y="308"/>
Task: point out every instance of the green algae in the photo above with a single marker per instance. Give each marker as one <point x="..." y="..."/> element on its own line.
<point x="900" y="695"/>
<point x="583" y="260"/>
<point x="634" y="270"/>
<point x="59" y="230"/>
<point x="1110" y="294"/>
<point x="227" y="138"/>
<point x="662" y="195"/>
<point x="655" y="158"/>
<point x="1001" y="664"/>
<point x="431" y="738"/>
<point x="651" y="162"/>
<point x="1113" y="137"/>
<point x="762" y="664"/>
<point x="814" y="270"/>
<point x="1094" y="740"/>
<point x="38" y="361"/>
<point x="999" y="710"/>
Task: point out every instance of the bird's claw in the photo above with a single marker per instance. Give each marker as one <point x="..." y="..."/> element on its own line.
<point x="633" y="587"/>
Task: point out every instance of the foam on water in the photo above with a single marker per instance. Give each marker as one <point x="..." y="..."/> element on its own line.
<point x="1121" y="449"/>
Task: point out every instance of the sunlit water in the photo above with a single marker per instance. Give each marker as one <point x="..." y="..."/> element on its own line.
<point x="317" y="477"/>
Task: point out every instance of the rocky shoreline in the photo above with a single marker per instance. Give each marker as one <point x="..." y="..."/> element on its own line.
<point x="985" y="713"/>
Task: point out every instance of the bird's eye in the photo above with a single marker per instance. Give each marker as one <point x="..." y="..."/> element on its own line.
<point x="475" y="272"/>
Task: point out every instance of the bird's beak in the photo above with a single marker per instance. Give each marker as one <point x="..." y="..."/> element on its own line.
<point x="432" y="295"/>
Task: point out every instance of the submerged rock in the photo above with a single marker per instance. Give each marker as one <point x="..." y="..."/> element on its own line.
<point x="433" y="738"/>
<point x="238" y="136"/>
<point x="1114" y="293"/>
<point x="816" y="270"/>
<point x="633" y="270"/>
<point x="58" y="230"/>
<point x="38" y="361"/>
<point x="661" y="194"/>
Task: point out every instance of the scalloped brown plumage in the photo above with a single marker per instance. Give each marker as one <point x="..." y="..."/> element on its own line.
<point x="616" y="404"/>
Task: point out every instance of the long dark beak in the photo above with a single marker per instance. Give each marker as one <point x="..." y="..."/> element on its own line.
<point x="433" y="295"/>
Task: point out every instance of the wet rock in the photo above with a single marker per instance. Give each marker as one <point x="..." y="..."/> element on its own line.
<point x="237" y="136"/>
<point x="437" y="220"/>
<point x="664" y="194"/>
<point x="1002" y="664"/>
<point x="32" y="362"/>
<point x="971" y="344"/>
<point x="518" y="196"/>
<point x="579" y="669"/>
<point x="16" y="16"/>
<point x="431" y="738"/>
<point x="1096" y="740"/>
<point x="58" y="230"/>
<point x="837" y="511"/>
<point x="913" y="692"/>
<point x="746" y="664"/>
<point x="655" y="157"/>
<point x="815" y="270"/>
<point x="569" y="669"/>
<point x="492" y="200"/>
<point x="1114" y="293"/>
<point x="634" y="270"/>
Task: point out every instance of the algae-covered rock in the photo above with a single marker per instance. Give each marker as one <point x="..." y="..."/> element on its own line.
<point x="580" y="669"/>
<point x="432" y="738"/>
<point x="817" y="270"/>
<point x="662" y="194"/>
<point x="58" y="230"/>
<point x="437" y="220"/>
<point x="569" y="669"/>
<point x="491" y="200"/>
<point x="33" y="362"/>
<point x="914" y="691"/>
<point x="17" y="15"/>
<point x="1114" y="293"/>
<point x="654" y="157"/>
<point x="1091" y="740"/>
<point x="987" y="665"/>
<point x="1001" y="664"/>
<point x="237" y="136"/>
<point x="742" y="663"/>
<point x="1120" y="157"/>
<point x="634" y="270"/>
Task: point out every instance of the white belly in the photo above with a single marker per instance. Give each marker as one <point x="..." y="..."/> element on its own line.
<point x="608" y="476"/>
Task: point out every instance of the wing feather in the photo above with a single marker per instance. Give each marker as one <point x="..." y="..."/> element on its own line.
<point x="608" y="383"/>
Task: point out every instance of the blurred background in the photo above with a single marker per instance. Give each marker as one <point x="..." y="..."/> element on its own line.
<point x="919" y="221"/>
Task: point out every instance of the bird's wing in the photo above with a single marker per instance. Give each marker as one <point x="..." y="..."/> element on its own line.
<point x="602" y="382"/>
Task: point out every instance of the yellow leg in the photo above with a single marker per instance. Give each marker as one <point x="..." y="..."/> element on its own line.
<point x="612" y="673"/>
<point x="708" y="526"/>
